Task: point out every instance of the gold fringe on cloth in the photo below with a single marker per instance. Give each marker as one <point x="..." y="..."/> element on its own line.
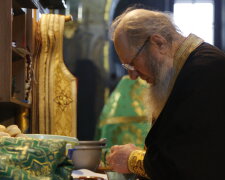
<point x="55" y="90"/>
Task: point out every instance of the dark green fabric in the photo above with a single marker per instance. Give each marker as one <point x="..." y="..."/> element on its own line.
<point x="26" y="158"/>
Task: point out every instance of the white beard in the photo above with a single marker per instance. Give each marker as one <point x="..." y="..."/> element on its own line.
<point x="158" y="92"/>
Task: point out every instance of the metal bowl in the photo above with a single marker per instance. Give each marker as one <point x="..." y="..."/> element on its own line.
<point x="101" y="142"/>
<point x="85" y="157"/>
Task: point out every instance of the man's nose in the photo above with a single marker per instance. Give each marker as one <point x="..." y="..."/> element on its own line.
<point x="133" y="74"/>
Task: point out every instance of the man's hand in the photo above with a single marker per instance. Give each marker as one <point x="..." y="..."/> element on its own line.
<point x="118" y="157"/>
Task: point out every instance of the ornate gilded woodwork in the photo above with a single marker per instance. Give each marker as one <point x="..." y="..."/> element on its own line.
<point x="56" y="88"/>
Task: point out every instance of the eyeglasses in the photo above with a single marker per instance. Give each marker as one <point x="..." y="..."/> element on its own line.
<point x="130" y="67"/>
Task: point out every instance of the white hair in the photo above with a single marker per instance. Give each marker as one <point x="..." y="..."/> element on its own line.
<point x="144" y="23"/>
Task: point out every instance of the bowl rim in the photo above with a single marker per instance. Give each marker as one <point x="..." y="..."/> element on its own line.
<point x="93" y="142"/>
<point x="77" y="147"/>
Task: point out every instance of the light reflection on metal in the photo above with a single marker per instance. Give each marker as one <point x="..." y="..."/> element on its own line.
<point x="68" y="7"/>
<point x="80" y="12"/>
<point x="64" y="4"/>
<point x="107" y="10"/>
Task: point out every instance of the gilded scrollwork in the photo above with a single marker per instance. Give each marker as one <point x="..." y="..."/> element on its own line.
<point x="57" y="88"/>
<point x="62" y="93"/>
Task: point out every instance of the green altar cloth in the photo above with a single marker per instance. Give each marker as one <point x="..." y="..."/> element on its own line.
<point x="27" y="158"/>
<point x="124" y="118"/>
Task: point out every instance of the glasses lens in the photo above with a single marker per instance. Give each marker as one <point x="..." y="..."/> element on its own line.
<point x="128" y="67"/>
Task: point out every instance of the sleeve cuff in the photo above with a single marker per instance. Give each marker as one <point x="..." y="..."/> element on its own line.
<point x="135" y="163"/>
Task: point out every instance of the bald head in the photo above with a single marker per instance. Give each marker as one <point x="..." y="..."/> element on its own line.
<point x="138" y="24"/>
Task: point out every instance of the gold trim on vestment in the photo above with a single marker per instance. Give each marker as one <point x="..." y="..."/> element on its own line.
<point x="136" y="163"/>
<point x="125" y="119"/>
<point x="180" y="57"/>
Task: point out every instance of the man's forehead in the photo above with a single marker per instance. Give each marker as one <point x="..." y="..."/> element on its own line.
<point x="121" y="40"/>
<point x="122" y="47"/>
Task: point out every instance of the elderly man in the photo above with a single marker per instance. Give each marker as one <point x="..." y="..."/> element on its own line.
<point x="187" y="95"/>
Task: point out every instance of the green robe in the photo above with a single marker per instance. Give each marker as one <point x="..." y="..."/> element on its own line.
<point x="124" y="118"/>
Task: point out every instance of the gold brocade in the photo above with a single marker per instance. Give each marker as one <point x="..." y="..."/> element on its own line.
<point x="56" y="90"/>
<point x="135" y="163"/>
<point x="125" y="119"/>
<point x="180" y="57"/>
<point x="189" y="45"/>
<point x="27" y="158"/>
<point x="128" y="134"/>
<point x="137" y="97"/>
<point x="126" y="102"/>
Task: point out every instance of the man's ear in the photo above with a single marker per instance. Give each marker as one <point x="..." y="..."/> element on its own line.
<point x="160" y="42"/>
